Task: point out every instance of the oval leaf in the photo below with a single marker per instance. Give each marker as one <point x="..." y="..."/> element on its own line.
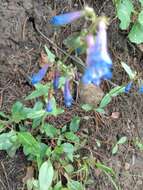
<point x="124" y="10"/>
<point x="115" y="149"/>
<point x="122" y="140"/>
<point x="140" y="18"/>
<point x="105" y="101"/>
<point x="74" y="185"/>
<point x="74" y="125"/>
<point x="128" y="70"/>
<point x="136" y="33"/>
<point x="46" y="174"/>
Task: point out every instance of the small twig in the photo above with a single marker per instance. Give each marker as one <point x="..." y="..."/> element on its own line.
<point x="23" y="28"/>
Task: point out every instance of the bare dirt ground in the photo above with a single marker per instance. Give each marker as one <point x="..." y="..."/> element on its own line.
<point x="20" y="45"/>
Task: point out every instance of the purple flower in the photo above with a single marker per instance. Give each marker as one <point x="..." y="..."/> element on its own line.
<point x="67" y="95"/>
<point x="49" y="106"/>
<point x="99" y="63"/>
<point x="37" y="77"/>
<point x="56" y="80"/>
<point x="141" y="89"/>
<point x="128" y="87"/>
<point x="66" y="18"/>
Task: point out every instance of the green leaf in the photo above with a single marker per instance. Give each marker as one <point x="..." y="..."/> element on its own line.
<point x="46" y="174"/>
<point x="51" y="56"/>
<point x="50" y="130"/>
<point x="86" y="107"/>
<point x="56" y="111"/>
<point x="41" y="90"/>
<point x="62" y="81"/>
<point x="108" y="97"/>
<point x="64" y="129"/>
<point x="140" y="18"/>
<point x="36" y="114"/>
<point x="58" y="186"/>
<point x="100" y="110"/>
<point x="105" y="101"/>
<point x="36" y="122"/>
<point x="2" y="127"/>
<point x="6" y="140"/>
<point x="74" y="125"/>
<point x="73" y="41"/>
<point x="48" y="152"/>
<point x="72" y="137"/>
<point x="69" y="150"/>
<point x="116" y="91"/>
<point x="141" y="1"/>
<point x="58" y="150"/>
<point x="105" y="168"/>
<point x="139" y="144"/>
<point x="136" y="33"/>
<point x="124" y="10"/>
<point x="128" y="70"/>
<point x="74" y="185"/>
<point x="115" y="149"/>
<point x="12" y="150"/>
<point x="122" y="140"/>
<point x="29" y="143"/>
<point x="19" y="112"/>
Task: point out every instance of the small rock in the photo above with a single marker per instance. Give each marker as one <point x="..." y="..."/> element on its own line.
<point x="127" y="166"/>
<point x="90" y="94"/>
<point x="115" y="115"/>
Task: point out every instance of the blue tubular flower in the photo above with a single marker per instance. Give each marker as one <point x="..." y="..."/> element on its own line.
<point x="37" y="77"/>
<point x="56" y="80"/>
<point x="99" y="63"/>
<point x="141" y="89"/>
<point x="128" y="87"/>
<point x="67" y="95"/>
<point x="66" y="18"/>
<point x="49" y="106"/>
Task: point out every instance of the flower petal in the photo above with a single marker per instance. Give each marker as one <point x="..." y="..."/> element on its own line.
<point x="66" y="18"/>
<point x="37" y="77"/>
<point x="49" y="106"/>
<point x="67" y="95"/>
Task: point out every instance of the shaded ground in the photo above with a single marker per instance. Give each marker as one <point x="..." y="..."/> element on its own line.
<point x="20" y="46"/>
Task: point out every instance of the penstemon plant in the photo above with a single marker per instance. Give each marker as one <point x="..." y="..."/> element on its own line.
<point x="56" y="152"/>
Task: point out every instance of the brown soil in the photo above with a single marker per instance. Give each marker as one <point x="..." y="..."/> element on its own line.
<point x="20" y="46"/>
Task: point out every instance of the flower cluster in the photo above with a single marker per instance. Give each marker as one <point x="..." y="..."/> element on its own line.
<point x="36" y="78"/>
<point x="99" y="63"/>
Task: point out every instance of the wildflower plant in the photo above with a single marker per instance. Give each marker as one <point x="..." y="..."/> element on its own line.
<point x="56" y="151"/>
